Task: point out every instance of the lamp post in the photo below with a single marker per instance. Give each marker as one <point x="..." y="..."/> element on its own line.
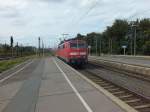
<point x="134" y="38"/>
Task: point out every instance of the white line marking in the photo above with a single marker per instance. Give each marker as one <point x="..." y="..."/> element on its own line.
<point x="115" y="99"/>
<point x="15" y="72"/>
<point x="74" y="89"/>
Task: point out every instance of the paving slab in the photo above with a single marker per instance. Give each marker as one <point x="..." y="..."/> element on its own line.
<point x="7" y="92"/>
<point x="24" y="100"/>
<point x="56" y="94"/>
<point x="51" y="86"/>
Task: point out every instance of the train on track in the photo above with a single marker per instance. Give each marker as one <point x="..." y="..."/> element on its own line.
<point x="73" y="51"/>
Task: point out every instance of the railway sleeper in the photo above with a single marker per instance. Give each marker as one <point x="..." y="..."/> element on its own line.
<point x="142" y="106"/>
<point x="147" y="109"/>
<point x="118" y="92"/>
<point x="104" y="85"/>
<point x="132" y="100"/>
<point x="138" y="103"/>
<point x="109" y="87"/>
<point x="101" y="83"/>
<point x="125" y="96"/>
<point x="114" y="90"/>
<point x="98" y="80"/>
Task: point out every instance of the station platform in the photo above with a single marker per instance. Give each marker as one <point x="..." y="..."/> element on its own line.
<point x="59" y="95"/>
<point x="49" y="85"/>
<point x="133" y="60"/>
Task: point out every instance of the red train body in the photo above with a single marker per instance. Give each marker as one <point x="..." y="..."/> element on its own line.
<point x="73" y="51"/>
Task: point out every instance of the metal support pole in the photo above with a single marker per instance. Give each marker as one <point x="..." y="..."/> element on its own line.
<point x="43" y="47"/>
<point x="134" y="38"/>
<point x="96" y="45"/>
<point x="111" y="46"/>
<point x="131" y="47"/>
<point x="39" y="45"/>
<point x="124" y="51"/>
<point x="135" y="42"/>
<point x="100" y="46"/>
<point x="90" y="51"/>
<point x="17" y="49"/>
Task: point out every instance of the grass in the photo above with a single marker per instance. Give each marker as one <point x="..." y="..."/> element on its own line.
<point x="7" y="64"/>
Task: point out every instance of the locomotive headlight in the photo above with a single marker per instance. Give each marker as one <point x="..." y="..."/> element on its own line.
<point x="74" y="53"/>
<point x="82" y="53"/>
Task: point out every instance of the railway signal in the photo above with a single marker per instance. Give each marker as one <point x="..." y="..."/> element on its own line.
<point x="11" y="44"/>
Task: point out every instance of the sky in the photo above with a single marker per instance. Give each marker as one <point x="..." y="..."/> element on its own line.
<point x="26" y="20"/>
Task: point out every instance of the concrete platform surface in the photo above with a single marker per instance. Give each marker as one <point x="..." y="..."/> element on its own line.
<point x="48" y="85"/>
<point x="141" y="61"/>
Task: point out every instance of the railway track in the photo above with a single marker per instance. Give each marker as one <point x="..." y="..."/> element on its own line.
<point x="138" y="102"/>
<point x="7" y="58"/>
<point x="131" y="74"/>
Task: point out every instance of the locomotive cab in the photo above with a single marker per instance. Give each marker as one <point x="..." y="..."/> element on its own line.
<point x="73" y="51"/>
<point x="78" y="52"/>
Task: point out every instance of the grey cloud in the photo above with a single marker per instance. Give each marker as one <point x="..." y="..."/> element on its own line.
<point x="8" y="12"/>
<point x="50" y="1"/>
<point x="11" y="15"/>
<point x="20" y="23"/>
<point x="39" y="18"/>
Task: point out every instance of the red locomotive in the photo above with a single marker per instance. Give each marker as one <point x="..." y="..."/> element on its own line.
<point x="73" y="51"/>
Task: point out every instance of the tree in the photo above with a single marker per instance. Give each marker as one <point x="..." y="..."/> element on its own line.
<point x="122" y="33"/>
<point x="79" y="36"/>
<point x="115" y="34"/>
<point x="146" y="47"/>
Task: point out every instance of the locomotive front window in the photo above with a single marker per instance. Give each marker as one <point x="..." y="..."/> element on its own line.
<point x="73" y="45"/>
<point x="79" y="45"/>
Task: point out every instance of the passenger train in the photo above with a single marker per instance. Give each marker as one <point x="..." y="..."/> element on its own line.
<point x="73" y="51"/>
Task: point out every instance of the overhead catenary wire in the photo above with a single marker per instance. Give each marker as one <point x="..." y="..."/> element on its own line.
<point x="82" y="17"/>
<point x="88" y="11"/>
